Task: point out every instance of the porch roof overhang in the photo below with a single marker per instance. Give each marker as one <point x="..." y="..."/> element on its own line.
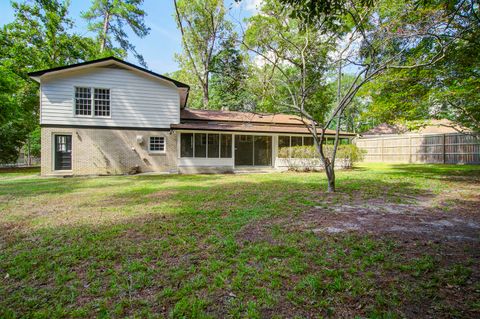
<point x="250" y="128"/>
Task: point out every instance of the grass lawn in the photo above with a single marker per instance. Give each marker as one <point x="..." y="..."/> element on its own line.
<point x="394" y="241"/>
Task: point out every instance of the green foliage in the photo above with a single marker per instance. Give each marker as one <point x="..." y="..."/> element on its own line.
<point x="449" y="89"/>
<point x="18" y="110"/>
<point x="349" y="154"/>
<point x="229" y="77"/>
<point x="291" y="64"/>
<point x="107" y="18"/>
<point x="315" y="11"/>
<point x="12" y="135"/>
<point x="203" y="27"/>
<point x="33" y="142"/>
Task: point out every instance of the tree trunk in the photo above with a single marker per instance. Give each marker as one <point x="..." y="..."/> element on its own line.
<point x="331" y="178"/>
<point x="106" y="21"/>
<point x="205" y="94"/>
<point x="329" y="169"/>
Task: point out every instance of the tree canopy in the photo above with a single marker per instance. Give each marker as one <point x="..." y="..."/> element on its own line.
<point x="107" y="18"/>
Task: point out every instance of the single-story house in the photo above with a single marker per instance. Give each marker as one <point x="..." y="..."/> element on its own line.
<point x="109" y="116"/>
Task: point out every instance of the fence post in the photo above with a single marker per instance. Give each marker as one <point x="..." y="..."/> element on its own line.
<point x="29" y="158"/>
<point x="382" y="149"/>
<point x="444" y="149"/>
<point x="410" y="149"/>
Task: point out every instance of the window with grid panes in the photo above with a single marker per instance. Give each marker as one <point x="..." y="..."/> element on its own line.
<point x="83" y="101"/>
<point x="157" y="144"/>
<point x="102" y="102"/>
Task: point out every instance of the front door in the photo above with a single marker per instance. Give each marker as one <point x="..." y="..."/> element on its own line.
<point x="253" y="150"/>
<point x="63" y="152"/>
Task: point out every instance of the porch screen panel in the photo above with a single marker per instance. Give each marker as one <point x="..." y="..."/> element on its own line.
<point x="329" y="140"/>
<point x="283" y="141"/>
<point x="243" y="150"/>
<point x="308" y="141"/>
<point x="213" y="145"/>
<point x="200" y="145"/>
<point x="225" y="146"/>
<point x="262" y="150"/>
<point x="296" y="141"/>
<point x="186" y="144"/>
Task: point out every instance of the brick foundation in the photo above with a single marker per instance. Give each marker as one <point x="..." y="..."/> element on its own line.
<point x="109" y="151"/>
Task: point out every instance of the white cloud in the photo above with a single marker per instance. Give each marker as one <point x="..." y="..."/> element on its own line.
<point x="253" y="5"/>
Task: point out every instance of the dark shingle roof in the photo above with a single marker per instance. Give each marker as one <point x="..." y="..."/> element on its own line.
<point x="71" y="66"/>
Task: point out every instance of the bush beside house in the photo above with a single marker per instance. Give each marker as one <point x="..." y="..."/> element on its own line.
<point x="305" y="158"/>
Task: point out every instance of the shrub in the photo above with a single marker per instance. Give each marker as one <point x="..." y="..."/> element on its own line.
<point x="306" y="157"/>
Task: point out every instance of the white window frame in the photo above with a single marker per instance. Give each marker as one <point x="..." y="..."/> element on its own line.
<point x="157" y="151"/>
<point x="92" y="103"/>
<point x="206" y="145"/>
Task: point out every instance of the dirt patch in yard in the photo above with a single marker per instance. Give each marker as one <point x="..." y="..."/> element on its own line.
<point x="445" y="227"/>
<point x="426" y="220"/>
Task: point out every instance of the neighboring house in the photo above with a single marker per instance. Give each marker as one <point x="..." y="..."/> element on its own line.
<point x="109" y="116"/>
<point x="442" y="126"/>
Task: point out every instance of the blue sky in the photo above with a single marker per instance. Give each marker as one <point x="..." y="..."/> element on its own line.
<point x="164" y="40"/>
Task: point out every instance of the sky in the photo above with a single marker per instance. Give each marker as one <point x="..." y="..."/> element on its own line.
<point x="164" y="40"/>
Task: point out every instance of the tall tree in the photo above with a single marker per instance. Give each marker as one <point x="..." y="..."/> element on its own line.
<point x="108" y="18"/>
<point x="229" y="76"/>
<point x="203" y="25"/>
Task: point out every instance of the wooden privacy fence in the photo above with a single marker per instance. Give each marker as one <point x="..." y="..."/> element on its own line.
<point x="450" y="148"/>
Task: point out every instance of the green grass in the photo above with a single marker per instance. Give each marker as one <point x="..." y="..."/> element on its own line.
<point x="202" y="246"/>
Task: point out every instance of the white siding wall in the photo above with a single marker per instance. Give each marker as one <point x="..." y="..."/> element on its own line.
<point x="136" y="100"/>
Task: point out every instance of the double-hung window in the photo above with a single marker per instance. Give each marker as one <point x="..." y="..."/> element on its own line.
<point x="156" y="144"/>
<point x="83" y="101"/>
<point x="87" y="98"/>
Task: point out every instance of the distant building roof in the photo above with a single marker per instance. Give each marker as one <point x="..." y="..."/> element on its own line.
<point x="442" y="126"/>
<point x="385" y="128"/>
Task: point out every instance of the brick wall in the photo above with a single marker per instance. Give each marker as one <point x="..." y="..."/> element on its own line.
<point x="110" y="151"/>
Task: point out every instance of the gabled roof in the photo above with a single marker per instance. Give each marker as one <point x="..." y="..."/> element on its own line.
<point x="37" y="74"/>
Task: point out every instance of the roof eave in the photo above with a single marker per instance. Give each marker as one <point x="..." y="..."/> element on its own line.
<point x="36" y="75"/>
